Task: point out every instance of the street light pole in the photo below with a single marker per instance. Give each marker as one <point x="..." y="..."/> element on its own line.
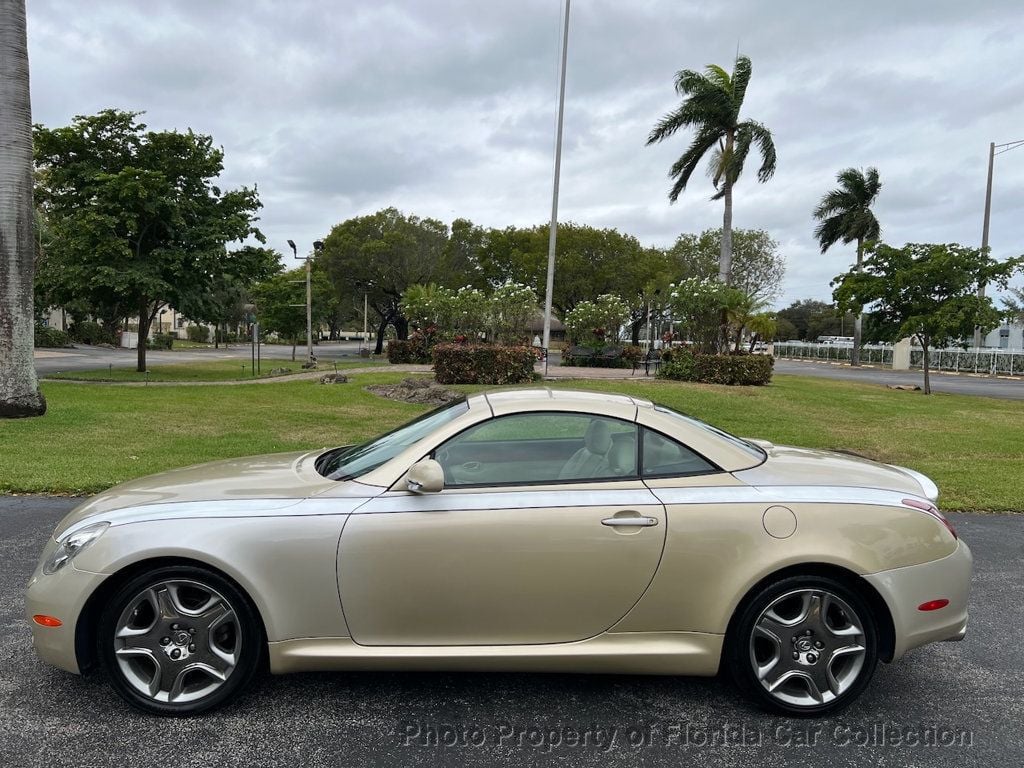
<point x="550" y="284"/>
<point x="317" y="247"/>
<point x="993" y="150"/>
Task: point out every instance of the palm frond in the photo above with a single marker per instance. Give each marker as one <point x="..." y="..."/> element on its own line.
<point x="741" y="73"/>
<point x="684" y="167"/>
<point x="756" y="133"/>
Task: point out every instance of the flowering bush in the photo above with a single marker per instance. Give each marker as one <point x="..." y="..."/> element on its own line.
<point x="596" y="323"/>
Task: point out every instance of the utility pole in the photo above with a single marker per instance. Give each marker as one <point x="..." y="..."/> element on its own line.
<point x="984" y="229"/>
<point x="552" y="237"/>
<point x="993" y="150"/>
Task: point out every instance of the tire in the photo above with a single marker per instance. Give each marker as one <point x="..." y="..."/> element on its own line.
<point x="791" y="657"/>
<point x="179" y="640"/>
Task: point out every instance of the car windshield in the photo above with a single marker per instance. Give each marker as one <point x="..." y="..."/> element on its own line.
<point x="756" y="451"/>
<point x="355" y="460"/>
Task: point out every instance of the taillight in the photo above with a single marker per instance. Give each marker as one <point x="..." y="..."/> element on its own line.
<point x="932" y="510"/>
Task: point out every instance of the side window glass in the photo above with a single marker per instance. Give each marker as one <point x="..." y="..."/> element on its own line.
<point x="663" y="456"/>
<point x="534" y="448"/>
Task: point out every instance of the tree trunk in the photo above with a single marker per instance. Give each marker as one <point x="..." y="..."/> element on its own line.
<point x="855" y="353"/>
<point x="725" y="256"/>
<point x="924" y="364"/>
<point x="381" y="327"/>
<point x="19" y="389"/>
<point x="145" y="323"/>
<point x="294" y="343"/>
<point x="401" y="327"/>
<point x="634" y="331"/>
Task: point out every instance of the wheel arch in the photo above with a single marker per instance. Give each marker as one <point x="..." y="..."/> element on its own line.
<point x="88" y="618"/>
<point x="879" y="610"/>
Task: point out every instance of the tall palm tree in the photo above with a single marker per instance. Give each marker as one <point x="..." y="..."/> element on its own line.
<point x="711" y="106"/>
<point x="19" y="391"/>
<point x="845" y="214"/>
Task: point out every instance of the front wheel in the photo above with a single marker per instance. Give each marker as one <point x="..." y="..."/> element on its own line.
<point x="805" y="645"/>
<point x="179" y="640"/>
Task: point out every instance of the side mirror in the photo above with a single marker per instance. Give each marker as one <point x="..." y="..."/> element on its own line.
<point x="425" y="476"/>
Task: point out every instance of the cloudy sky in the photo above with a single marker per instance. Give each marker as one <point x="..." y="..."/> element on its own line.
<point x="446" y="108"/>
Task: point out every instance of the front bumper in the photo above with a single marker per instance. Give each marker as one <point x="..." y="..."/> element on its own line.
<point x="904" y="589"/>
<point x="62" y="595"/>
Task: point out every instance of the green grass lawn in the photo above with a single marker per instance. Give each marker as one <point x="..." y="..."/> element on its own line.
<point x="203" y="370"/>
<point x="96" y="436"/>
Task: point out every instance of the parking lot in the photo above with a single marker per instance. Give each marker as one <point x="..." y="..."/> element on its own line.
<point x="950" y="704"/>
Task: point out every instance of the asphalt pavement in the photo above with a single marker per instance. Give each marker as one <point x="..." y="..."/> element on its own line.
<point x="83" y="357"/>
<point x="952" y="383"/>
<point x="960" y="704"/>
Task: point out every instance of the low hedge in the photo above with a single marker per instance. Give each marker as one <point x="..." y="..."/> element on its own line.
<point x="51" y="337"/>
<point x="198" y="334"/>
<point x="406" y="351"/>
<point x="161" y="341"/>
<point x="483" y="364"/>
<point x="90" y="332"/>
<point x="744" y="370"/>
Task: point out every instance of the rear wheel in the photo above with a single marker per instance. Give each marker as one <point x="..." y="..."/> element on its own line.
<point x="805" y="645"/>
<point x="179" y="640"/>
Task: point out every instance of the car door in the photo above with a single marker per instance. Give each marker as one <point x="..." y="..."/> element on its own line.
<point x="544" y="533"/>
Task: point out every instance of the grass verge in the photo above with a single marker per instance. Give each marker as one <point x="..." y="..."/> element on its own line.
<point x="95" y="437"/>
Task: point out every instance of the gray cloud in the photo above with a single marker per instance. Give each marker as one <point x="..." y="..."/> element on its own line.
<point x="447" y="108"/>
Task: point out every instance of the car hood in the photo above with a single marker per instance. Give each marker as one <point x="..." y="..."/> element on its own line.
<point x="285" y="476"/>
<point x="786" y="465"/>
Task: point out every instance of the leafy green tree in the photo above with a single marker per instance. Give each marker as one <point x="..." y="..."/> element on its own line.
<point x="1013" y="305"/>
<point x="280" y="303"/>
<point x="811" y="318"/>
<point x="223" y="301"/>
<point x="712" y="101"/>
<point x="19" y="390"/>
<point x="757" y="266"/>
<point x="762" y="326"/>
<point x="383" y="254"/>
<point x="926" y="291"/>
<point x="511" y="306"/>
<point x="137" y="218"/>
<point x="845" y="214"/>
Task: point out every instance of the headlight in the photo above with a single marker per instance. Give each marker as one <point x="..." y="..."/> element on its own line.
<point x="71" y="545"/>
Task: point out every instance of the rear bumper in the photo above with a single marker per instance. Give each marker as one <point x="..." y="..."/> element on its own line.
<point x="904" y="589"/>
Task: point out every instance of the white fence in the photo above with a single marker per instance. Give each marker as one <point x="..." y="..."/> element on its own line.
<point x="986" y="361"/>
<point x="991" y="362"/>
<point x="871" y="354"/>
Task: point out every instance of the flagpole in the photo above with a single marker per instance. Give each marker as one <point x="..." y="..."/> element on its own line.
<point x="550" y="285"/>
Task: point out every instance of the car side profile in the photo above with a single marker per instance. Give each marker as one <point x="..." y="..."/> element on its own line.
<point x="517" y="530"/>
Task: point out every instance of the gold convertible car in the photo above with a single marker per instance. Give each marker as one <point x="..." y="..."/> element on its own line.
<point x="530" y="530"/>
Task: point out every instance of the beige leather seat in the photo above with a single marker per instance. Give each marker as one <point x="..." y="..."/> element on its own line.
<point x="589" y="461"/>
<point x="621" y="458"/>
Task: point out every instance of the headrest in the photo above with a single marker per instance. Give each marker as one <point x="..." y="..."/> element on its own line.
<point x="622" y="457"/>
<point x="598" y="438"/>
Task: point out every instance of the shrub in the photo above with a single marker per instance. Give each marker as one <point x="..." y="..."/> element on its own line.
<point x="199" y="334"/>
<point x="51" y="337"/>
<point x="90" y="332"/>
<point x="745" y="370"/>
<point x="414" y="350"/>
<point x="632" y="354"/>
<point x="161" y="341"/>
<point x="482" y="364"/>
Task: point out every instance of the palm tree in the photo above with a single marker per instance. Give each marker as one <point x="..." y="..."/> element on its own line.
<point x="19" y="391"/>
<point x="1013" y="305"/>
<point x="845" y="214"/>
<point x="711" y="107"/>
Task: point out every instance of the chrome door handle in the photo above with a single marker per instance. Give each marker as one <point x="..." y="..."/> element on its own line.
<point x="643" y="522"/>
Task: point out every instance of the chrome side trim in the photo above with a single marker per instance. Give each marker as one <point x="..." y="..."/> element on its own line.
<point x="234" y="508"/>
<point x="403" y="502"/>
<point x="771" y="494"/>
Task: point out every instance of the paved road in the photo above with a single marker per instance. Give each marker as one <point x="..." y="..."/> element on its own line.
<point x="970" y="692"/>
<point x="959" y="384"/>
<point x="84" y="357"/>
